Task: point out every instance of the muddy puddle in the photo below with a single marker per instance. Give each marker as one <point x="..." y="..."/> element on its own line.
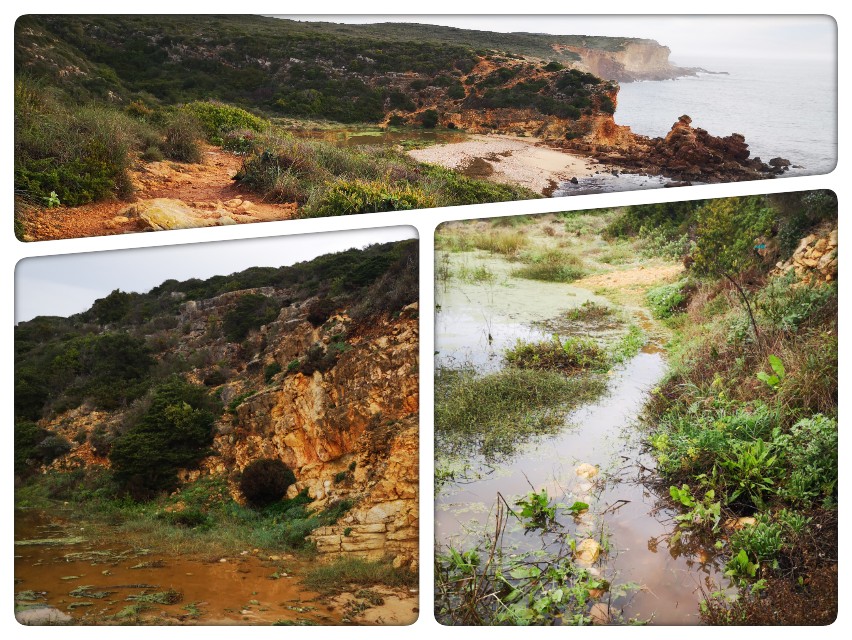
<point x="385" y="137"/>
<point x="62" y="578"/>
<point x="625" y="508"/>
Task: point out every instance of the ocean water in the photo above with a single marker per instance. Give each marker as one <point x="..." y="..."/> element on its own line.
<point x="785" y="108"/>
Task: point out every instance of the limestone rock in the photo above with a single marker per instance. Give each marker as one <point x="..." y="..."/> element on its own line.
<point x="587" y="551"/>
<point x="587" y="471"/>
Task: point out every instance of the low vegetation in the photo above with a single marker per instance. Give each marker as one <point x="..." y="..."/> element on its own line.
<point x="491" y="414"/>
<point x="745" y="426"/>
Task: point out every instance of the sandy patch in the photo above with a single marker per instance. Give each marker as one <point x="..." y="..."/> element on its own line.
<point x="520" y="161"/>
<point x="638" y="276"/>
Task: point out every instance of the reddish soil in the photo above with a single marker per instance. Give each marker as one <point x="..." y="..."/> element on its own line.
<point x="203" y="186"/>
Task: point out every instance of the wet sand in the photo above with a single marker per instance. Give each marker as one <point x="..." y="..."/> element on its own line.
<point x="506" y="159"/>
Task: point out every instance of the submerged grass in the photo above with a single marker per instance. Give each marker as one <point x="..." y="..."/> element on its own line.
<point x="490" y="415"/>
<point x="551" y="265"/>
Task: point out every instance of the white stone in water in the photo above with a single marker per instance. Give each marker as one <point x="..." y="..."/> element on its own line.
<point x="587" y="471"/>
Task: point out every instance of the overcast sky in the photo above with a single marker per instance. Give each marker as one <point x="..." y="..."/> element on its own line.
<point x="780" y="37"/>
<point x="68" y="284"/>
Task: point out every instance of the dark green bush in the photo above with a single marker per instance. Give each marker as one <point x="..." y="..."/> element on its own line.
<point x="265" y="481"/>
<point x="429" y="119"/>
<point x="271" y="370"/>
<point x="215" y="378"/>
<point x="252" y="311"/>
<point x="101" y="439"/>
<point x="28" y="435"/>
<point x="318" y="359"/>
<point x="320" y="311"/>
<point x="175" y="432"/>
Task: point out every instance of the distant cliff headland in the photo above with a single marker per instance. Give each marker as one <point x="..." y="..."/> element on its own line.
<point x="272" y="78"/>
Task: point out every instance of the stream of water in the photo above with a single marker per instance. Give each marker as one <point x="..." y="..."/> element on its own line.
<point x="474" y="324"/>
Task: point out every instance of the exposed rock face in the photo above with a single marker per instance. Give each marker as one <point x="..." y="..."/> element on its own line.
<point x="686" y="153"/>
<point x="815" y="259"/>
<point x="647" y="60"/>
<point x="348" y="429"/>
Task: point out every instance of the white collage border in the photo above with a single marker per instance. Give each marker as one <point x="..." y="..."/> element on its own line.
<point x="425" y="221"/>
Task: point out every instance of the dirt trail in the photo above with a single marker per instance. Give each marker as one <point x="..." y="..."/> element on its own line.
<point x="208" y="191"/>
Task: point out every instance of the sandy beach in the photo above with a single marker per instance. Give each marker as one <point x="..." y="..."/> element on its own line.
<point x="520" y="161"/>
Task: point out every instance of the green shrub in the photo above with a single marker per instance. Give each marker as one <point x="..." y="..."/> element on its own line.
<point x="217" y="119"/>
<point x="429" y="119"/>
<point x="27" y="437"/>
<point x="181" y="138"/>
<point x="667" y="299"/>
<point x="347" y="197"/>
<point x="265" y="481"/>
<point x="293" y="365"/>
<point x="175" y="432"/>
<point x="80" y="154"/>
<point x="101" y="439"/>
<point x="574" y="354"/>
<point x="270" y="371"/>
<point x="153" y="154"/>
<point x="252" y="311"/>
<point x="215" y="378"/>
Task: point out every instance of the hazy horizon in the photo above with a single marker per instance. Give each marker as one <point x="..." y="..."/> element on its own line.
<point x="68" y="284"/>
<point x="774" y="37"/>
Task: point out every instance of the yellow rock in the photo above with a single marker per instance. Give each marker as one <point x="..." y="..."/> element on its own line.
<point x="587" y="470"/>
<point x="588" y="551"/>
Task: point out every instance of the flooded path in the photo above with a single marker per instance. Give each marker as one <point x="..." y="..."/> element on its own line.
<point x="625" y="508"/>
<point x="56" y="567"/>
<point x="63" y="578"/>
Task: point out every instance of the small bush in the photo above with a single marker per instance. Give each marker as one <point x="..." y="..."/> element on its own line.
<point x="270" y="371"/>
<point x="265" y="481"/>
<point x="320" y="311"/>
<point x="429" y="119"/>
<point x="552" y="265"/>
<point x="153" y="154"/>
<point x="100" y="440"/>
<point x="318" y="359"/>
<point x="293" y="365"/>
<point x="348" y="197"/>
<point x="217" y="119"/>
<point x="181" y="139"/>
<point x="252" y="311"/>
<point x="572" y="355"/>
<point x="215" y="378"/>
<point x="667" y="299"/>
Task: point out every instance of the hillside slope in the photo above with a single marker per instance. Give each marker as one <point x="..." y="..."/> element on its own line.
<point x="314" y="365"/>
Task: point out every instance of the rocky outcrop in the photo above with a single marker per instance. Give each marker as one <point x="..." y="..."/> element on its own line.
<point x="686" y="153"/>
<point x="815" y="258"/>
<point x="347" y="425"/>
<point x="635" y="60"/>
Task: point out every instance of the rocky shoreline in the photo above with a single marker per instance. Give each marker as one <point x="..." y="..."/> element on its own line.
<point x="684" y="156"/>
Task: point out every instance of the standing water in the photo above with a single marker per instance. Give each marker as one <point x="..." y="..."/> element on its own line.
<point x="474" y="325"/>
